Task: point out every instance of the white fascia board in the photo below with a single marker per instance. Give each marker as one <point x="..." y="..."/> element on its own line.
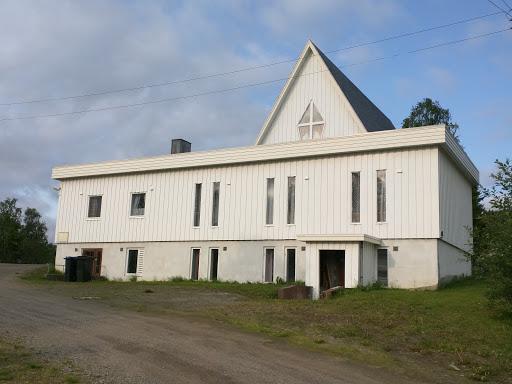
<point x="338" y="238"/>
<point x="457" y="153"/>
<point x="284" y="91"/>
<point x="364" y="142"/>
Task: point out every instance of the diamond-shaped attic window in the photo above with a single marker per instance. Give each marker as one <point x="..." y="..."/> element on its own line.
<point x="311" y="125"/>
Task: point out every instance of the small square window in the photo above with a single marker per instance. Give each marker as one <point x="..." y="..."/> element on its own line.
<point x="138" y="204"/>
<point x="94" y="206"/>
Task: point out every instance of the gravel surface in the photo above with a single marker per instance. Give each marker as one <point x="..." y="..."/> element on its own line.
<point x="113" y="345"/>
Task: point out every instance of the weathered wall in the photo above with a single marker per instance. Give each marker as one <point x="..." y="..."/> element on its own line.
<point x="451" y="262"/>
<point x="242" y="261"/>
<point x="323" y="200"/>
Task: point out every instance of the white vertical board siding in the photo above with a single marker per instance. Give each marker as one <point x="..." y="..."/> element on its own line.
<point x="314" y="83"/>
<point x="455" y="203"/>
<point x="322" y="201"/>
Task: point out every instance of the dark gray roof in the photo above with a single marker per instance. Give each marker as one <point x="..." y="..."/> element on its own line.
<point x="372" y="117"/>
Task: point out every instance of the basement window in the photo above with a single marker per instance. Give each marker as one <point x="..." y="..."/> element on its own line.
<point x="311" y="125"/>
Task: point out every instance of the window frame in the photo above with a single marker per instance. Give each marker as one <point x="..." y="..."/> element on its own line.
<point x="269" y="201"/>
<point x="215" y="207"/>
<point x="353" y="213"/>
<point x="381" y="203"/>
<point x="291" y="200"/>
<point x="89" y="207"/>
<point x="379" y="250"/>
<point x="287" y="272"/>
<point x="198" y="249"/>
<point x="310" y="107"/>
<point x="273" y="267"/>
<point x="132" y="195"/>
<point x="197" y="205"/>
<point x="210" y="269"/>
<point x="128" y="250"/>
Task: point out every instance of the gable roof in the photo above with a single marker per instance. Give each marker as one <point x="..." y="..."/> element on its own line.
<point x="368" y="114"/>
<point x="372" y="117"/>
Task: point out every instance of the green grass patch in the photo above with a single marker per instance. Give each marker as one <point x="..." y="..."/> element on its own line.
<point x="19" y="366"/>
<point x="412" y="331"/>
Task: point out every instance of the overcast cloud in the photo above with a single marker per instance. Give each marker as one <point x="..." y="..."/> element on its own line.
<point x="55" y="49"/>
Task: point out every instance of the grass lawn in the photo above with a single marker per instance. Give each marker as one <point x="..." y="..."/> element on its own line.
<point x="18" y="365"/>
<point x="445" y="334"/>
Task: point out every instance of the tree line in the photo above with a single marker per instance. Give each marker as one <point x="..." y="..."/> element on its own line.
<point x="23" y="235"/>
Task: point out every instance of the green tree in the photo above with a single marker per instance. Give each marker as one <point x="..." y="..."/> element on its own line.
<point x="10" y="231"/>
<point x="428" y="112"/>
<point x="493" y="252"/>
<point x="23" y="241"/>
<point x="34" y="246"/>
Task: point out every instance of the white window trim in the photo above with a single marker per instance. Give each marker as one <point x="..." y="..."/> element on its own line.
<point x="265" y="263"/>
<point x="126" y="273"/>
<point x="130" y="205"/>
<point x="88" y="204"/>
<point x="376" y="200"/>
<point x="286" y="263"/>
<point x="191" y="265"/>
<point x="311" y="123"/>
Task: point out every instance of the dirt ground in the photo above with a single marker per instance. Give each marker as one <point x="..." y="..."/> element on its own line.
<point x="113" y="345"/>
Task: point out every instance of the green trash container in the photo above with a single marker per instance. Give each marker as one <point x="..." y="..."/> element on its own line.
<point x="70" y="268"/>
<point x="84" y="266"/>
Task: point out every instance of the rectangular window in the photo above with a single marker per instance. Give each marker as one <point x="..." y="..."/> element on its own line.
<point x="194" y="271"/>
<point x="291" y="200"/>
<point x="215" y="204"/>
<point x="381" y="196"/>
<point x="270" y="202"/>
<point x="94" y="206"/>
<point x="290" y="264"/>
<point x="269" y="265"/>
<point x="356" y="197"/>
<point x="214" y="263"/>
<point x="131" y="265"/>
<point x="382" y="267"/>
<point x="138" y="204"/>
<point x="197" y="206"/>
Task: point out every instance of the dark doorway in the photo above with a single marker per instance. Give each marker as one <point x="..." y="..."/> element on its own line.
<point x="194" y="274"/>
<point x="214" y="263"/>
<point x="332" y="269"/>
<point x="290" y="264"/>
<point x="97" y="254"/>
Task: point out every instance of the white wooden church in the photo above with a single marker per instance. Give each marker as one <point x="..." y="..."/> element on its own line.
<point x="330" y="193"/>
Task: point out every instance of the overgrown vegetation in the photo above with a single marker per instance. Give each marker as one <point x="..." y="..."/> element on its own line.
<point x="491" y="250"/>
<point x="19" y="365"/>
<point x="23" y="239"/>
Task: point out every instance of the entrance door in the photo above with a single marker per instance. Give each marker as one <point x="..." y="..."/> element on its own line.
<point x="96" y="253"/>
<point x="332" y="269"/>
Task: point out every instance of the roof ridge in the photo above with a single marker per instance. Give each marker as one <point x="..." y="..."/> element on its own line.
<point x="371" y="116"/>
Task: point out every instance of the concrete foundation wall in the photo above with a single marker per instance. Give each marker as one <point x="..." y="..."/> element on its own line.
<point x="451" y="262"/>
<point x="414" y="265"/>
<point x="241" y="261"/>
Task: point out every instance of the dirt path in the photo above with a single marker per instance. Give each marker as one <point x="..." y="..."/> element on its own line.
<point x="114" y="345"/>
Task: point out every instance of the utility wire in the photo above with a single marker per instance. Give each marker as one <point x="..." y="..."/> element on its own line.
<point x="244" y="86"/>
<point x="504" y="2"/>
<point x="245" y="69"/>
<point x="502" y="10"/>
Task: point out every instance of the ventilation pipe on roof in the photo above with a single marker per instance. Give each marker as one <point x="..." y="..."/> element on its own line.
<point x="180" y="146"/>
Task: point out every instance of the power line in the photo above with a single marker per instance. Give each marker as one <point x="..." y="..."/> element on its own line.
<point x="502" y="10"/>
<point x="244" y="69"/>
<point x="509" y="8"/>
<point x="245" y="86"/>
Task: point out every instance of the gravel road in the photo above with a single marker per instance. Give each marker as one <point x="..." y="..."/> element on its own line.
<point x="113" y="345"/>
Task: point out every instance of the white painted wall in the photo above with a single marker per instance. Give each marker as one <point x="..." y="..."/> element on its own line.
<point x="242" y="261"/>
<point x="414" y="265"/>
<point x="455" y="203"/>
<point x="451" y="262"/>
<point x="323" y="200"/>
<point x="313" y="82"/>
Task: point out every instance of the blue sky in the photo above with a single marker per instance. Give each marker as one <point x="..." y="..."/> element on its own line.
<point x="56" y="49"/>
